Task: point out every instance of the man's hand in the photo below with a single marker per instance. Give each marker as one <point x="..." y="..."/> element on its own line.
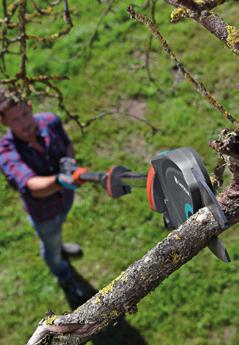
<point x="71" y="181"/>
<point x="67" y="165"/>
<point x="77" y="176"/>
<point x="66" y="181"/>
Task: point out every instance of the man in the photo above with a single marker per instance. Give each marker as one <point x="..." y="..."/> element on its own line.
<point x="29" y="158"/>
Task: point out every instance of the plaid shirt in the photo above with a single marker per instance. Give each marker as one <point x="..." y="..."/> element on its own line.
<point x="19" y="161"/>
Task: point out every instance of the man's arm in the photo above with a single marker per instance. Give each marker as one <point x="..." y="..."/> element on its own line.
<point x="43" y="186"/>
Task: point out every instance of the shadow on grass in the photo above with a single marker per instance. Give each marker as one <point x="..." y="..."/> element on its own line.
<point x="122" y="333"/>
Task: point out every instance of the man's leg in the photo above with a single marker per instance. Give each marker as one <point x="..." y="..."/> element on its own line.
<point x="50" y="234"/>
<point x="51" y="250"/>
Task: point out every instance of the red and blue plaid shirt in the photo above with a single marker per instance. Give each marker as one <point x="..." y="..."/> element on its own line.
<point x="19" y="161"/>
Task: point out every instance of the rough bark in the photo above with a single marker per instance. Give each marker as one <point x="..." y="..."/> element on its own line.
<point x="217" y="26"/>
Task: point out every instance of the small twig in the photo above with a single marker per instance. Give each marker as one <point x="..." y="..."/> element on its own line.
<point x="67" y="14"/>
<point x="43" y="78"/>
<point x="4" y="35"/>
<point x="12" y="9"/>
<point x="62" y="106"/>
<point x="117" y="113"/>
<point x="87" y="47"/>
<point x="42" y="12"/>
<point x="100" y="21"/>
<point x="55" y="36"/>
<point x="149" y="45"/>
<point x="4" y="6"/>
<point x="7" y="51"/>
<point x="98" y="117"/>
<point x="9" y="25"/>
<point x="153" y="128"/>
<point x="22" y="29"/>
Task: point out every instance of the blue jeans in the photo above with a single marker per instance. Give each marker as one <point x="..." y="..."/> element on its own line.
<point x="50" y="234"/>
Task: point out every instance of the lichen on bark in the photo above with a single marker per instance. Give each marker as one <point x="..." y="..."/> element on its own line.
<point x="232" y="37"/>
<point x="179" y="14"/>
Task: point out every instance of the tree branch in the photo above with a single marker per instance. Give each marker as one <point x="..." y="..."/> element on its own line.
<point x="198" y="86"/>
<point x="23" y="45"/>
<point x="209" y="20"/>
<point x="217" y="26"/>
<point x="122" y="295"/>
<point x="149" y="44"/>
<point x="100" y="21"/>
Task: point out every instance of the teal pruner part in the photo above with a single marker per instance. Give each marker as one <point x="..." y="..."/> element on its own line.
<point x="188" y="210"/>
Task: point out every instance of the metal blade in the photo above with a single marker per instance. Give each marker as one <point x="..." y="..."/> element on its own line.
<point x="209" y="200"/>
<point x="218" y="249"/>
<point x="125" y="179"/>
<point x="133" y="179"/>
<point x="93" y="177"/>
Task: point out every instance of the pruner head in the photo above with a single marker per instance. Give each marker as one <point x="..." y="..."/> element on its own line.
<point x="178" y="186"/>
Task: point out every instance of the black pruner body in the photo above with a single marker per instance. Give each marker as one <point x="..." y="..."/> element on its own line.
<point x="183" y="188"/>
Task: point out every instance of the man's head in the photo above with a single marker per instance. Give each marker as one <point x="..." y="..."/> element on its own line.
<point x="17" y="115"/>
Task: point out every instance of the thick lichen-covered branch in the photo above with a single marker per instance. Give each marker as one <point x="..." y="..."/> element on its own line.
<point x="123" y="294"/>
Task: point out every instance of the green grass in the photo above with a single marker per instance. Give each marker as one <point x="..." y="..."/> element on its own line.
<point x="198" y="304"/>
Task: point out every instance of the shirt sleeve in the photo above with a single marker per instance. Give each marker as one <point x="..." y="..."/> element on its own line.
<point x="16" y="171"/>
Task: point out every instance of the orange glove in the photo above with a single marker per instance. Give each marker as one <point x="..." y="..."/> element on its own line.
<point x="77" y="176"/>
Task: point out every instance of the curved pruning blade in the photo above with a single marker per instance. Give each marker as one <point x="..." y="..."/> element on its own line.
<point x="217" y="247"/>
<point x="208" y="197"/>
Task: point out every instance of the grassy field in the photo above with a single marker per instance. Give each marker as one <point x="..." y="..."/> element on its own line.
<point x="197" y="305"/>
